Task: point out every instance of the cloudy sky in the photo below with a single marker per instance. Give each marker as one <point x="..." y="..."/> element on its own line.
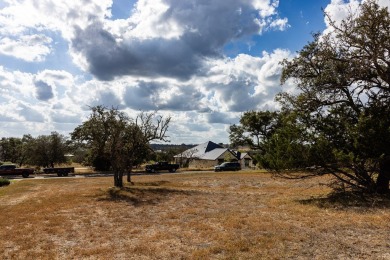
<point x="203" y="62"/>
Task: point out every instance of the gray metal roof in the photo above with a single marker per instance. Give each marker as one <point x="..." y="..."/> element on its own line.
<point x="205" y="151"/>
<point x="214" y="154"/>
<point x="199" y="151"/>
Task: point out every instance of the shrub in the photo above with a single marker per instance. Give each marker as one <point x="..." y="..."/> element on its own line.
<point x="4" y="182"/>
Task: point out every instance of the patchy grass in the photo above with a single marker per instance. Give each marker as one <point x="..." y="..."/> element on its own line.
<point x="4" y="182"/>
<point x="246" y="215"/>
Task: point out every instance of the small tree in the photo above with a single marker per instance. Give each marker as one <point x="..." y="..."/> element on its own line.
<point x="254" y="129"/>
<point x="119" y="141"/>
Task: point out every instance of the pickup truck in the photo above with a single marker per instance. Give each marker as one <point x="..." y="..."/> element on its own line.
<point x="10" y="169"/>
<point x="161" y="166"/>
<point x="64" y="171"/>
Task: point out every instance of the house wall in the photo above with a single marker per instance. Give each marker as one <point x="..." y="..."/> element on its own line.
<point x="246" y="162"/>
<point x="202" y="164"/>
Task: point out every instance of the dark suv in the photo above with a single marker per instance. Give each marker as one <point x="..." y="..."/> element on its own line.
<point x="228" y="166"/>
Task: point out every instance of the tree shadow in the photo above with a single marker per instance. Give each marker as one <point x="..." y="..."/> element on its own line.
<point x="141" y="194"/>
<point x="350" y="201"/>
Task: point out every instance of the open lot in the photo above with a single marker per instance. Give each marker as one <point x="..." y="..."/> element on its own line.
<point x="246" y="215"/>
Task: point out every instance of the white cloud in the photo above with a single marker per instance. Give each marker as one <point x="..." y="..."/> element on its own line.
<point x="246" y="82"/>
<point x="146" y="21"/>
<point x="167" y="55"/>
<point x="60" y="15"/>
<point x="384" y="3"/>
<point x="339" y="10"/>
<point x="27" y="47"/>
<point x="169" y="38"/>
<point x="16" y="84"/>
<point x="26" y="26"/>
<point x="280" y="24"/>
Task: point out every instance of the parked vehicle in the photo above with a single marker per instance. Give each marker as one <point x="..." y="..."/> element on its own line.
<point x="228" y="166"/>
<point x="161" y="166"/>
<point x="64" y="171"/>
<point x="10" y="169"/>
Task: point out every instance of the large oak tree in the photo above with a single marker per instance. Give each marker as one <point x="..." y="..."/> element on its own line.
<point x="343" y="79"/>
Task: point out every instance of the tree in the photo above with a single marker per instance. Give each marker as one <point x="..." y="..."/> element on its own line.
<point x="47" y="150"/>
<point x="254" y="129"/>
<point x="167" y="155"/>
<point x="117" y="141"/>
<point x="10" y="149"/>
<point x="343" y="79"/>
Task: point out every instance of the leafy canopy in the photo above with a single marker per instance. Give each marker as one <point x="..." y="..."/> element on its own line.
<point x="118" y="142"/>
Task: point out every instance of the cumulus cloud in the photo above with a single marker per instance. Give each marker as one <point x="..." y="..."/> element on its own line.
<point x="280" y="24"/>
<point x="168" y="55"/>
<point x="28" y="47"/>
<point x="247" y="82"/>
<point x="19" y="17"/>
<point x="31" y="114"/>
<point x="338" y="10"/>
<point x="43" y="90"/>
<point x="16" y="83"/>
<point x="48" y="82"/>
<point x="31" y="103"/>
<point x="196" y="35"/>
<point x="221" y="118"/>
<point x="107" y="58"/>
<point x="64" y="117"/>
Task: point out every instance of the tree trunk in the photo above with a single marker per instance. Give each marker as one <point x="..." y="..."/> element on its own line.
<point x="118" y="180"/>
<point x="383" y="181"/>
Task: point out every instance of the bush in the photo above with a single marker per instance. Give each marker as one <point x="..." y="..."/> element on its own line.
<point x="4" y="182"/>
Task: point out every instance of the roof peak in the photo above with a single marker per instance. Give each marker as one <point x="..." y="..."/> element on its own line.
<point x="211" y="146"/>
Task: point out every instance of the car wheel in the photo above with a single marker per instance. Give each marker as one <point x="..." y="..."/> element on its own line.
<point x="25" y="174"/>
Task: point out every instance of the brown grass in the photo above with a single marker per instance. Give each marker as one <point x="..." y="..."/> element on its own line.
<point x="245" y="215"/>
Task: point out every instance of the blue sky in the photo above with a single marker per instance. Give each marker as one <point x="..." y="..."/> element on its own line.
<point x="202" y="62"/>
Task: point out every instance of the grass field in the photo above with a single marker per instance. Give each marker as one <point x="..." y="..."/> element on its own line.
<point x="245" y="215"/>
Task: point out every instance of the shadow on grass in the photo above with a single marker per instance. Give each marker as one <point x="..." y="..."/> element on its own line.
<point x="141" y="194"/>
<point x="350" y="200"/>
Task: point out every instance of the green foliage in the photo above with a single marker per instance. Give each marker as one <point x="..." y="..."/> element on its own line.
<point x="15" y="149"/>
<point x="47" y="150"/>
<point x="44" y="150"/>
<point x="339" y="122"/>
<point x="116" y="141"/>
<point x="166" y="155"/>
<point x="4" y="182"/>
<point x="254" y="129"/>
<point x="343" y="101"/>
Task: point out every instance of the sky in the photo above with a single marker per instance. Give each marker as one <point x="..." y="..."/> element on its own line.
<point x="202" y="62"/>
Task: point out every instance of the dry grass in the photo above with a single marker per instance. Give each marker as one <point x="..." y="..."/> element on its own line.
<point x="188" y="216"/>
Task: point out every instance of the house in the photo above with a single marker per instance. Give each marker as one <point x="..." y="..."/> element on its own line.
<point x="210" y="154"/>
<point x="246" y="161"/>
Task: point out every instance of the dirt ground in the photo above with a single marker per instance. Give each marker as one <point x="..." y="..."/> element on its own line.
<point x="246" y="215"/>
